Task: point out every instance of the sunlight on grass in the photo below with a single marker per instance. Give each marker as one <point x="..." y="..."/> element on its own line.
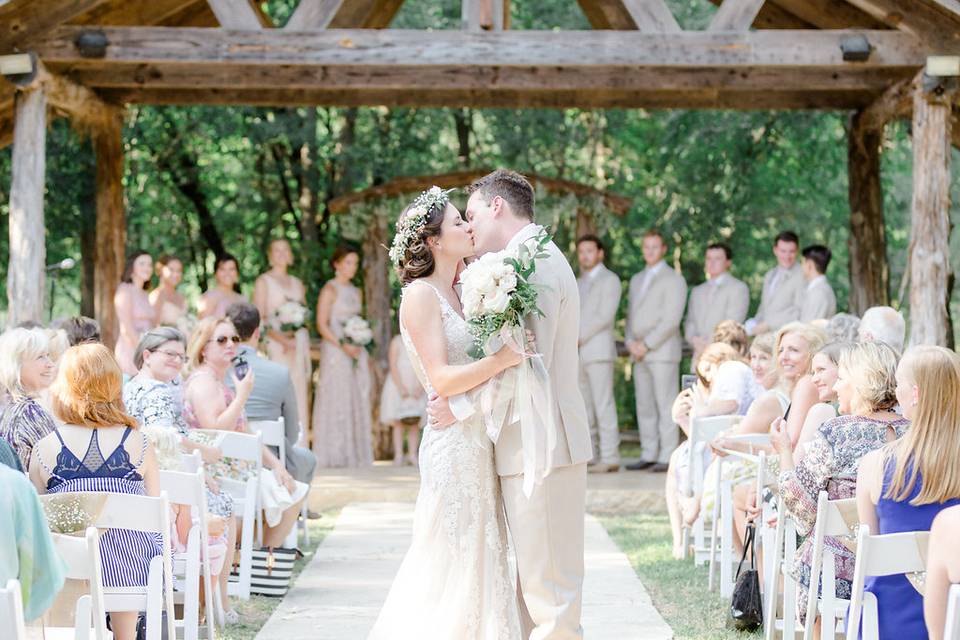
<point x="678" y="589"/>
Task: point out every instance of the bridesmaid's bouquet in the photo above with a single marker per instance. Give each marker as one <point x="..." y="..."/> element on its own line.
<point x="497" y="294"/>
<point x="357" y="331"/>
<point x="289" y="317"/>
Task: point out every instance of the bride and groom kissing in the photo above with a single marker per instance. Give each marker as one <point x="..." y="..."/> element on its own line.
<point x="455" y="583"/>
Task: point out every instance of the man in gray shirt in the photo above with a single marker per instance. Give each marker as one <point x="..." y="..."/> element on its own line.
<point x="273" y="393"/>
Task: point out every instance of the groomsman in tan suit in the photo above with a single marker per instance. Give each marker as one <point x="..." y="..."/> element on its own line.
<point x="819" y="301"/>
<point x="599" y="300"/>
<point x="721" y="297"/>
<point x="782" y="288"/>
<point x="657" y="297"/>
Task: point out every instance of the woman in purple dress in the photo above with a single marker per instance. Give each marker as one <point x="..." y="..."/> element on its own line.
<point x="903" y="486"/>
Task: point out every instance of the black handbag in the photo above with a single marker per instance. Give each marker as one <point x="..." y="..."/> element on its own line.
<point x="746" y="606"/>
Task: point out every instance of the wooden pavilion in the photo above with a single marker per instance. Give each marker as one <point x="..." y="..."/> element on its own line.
<point x="877" y="59"/>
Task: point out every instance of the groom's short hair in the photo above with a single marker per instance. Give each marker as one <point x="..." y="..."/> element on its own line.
<point x="509" y="185"/>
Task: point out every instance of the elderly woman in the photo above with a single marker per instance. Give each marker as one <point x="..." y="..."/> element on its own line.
<point x="98" y="448"/>
<point x="866" y="390"/>
<point x="26" y="371"/>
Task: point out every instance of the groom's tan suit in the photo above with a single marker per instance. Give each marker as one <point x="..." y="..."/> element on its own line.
<point x="547" y="527"/>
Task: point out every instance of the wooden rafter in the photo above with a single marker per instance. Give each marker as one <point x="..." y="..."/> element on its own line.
<point x="366" y="14"/>
<point x="313" y="14"/>
<point x="22" y="21"/>
<point x="651" y="16"/>
<point x="235" y="14"/>
<point x="123" y="13"/>
<point x="829" y="14"/>
<point x="735" y="15"/>
<point x="939" y="28"/>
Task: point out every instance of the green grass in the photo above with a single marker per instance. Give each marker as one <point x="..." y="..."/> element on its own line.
<point x="255" y="612"/>
<point x="678" y="589"/>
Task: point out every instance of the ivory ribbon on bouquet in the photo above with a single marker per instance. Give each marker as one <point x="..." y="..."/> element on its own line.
<point x="522" y="394"/>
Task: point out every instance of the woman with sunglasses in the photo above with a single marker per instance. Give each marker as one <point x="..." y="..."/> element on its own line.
<point x="209" y="404"/>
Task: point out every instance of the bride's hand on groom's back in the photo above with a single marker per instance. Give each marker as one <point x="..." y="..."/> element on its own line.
<point x="439" y="415"/>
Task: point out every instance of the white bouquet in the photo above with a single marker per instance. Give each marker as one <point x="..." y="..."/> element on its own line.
<point x="289" y="317"/>
<point x="497" y="293"/>
<point x="357" y="331"/>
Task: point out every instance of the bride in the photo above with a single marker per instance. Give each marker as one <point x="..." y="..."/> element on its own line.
<point x="454" y="581"/>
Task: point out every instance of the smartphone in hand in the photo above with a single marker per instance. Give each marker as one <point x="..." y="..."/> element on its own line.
<point x="687" y="381"/>
<point x="240" y="367"/>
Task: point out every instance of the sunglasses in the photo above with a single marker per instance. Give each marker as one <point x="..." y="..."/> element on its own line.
<point x="222" y="340"/>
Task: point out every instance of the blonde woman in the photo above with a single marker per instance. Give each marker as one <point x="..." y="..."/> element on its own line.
<point x="98" y="448"/>
<point x="904" y="485"/>
<point x="825" y="368"/>
<point x="866" y="390"/>
<point x="26" y="372"/>
<point x="943" y="569"/>
<point x="795" y="345"/>
<point x="272" y="290"/>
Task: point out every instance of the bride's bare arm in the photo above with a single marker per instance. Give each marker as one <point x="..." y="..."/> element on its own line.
<point x="420" y="317"/>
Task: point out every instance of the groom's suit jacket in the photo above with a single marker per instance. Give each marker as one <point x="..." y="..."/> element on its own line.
<point x="556" y="337"/>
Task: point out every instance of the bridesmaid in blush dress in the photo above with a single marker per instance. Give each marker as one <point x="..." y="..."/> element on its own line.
<point x="133" y="307"/>
<point x="341" y="408"/>
<point x="216" y="301"/>
<point x="273" y="289"/>
<point x="169" y="305"/>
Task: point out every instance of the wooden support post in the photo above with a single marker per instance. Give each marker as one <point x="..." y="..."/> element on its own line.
<point x="929" y="269"/>
<point x="376" y="286"/>
<point x="110" y="250"/>
<point x="867" y="244"/>
<point x="26" y="282"/>
<point x="484" y="15"/>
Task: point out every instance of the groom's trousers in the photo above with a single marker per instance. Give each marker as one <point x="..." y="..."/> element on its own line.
<point x="547" y="533"/>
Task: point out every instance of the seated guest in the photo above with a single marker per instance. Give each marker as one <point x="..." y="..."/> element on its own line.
<point x="79" y="329"/>
<point x="273" y="395"/>
<point x="9" y="457"/>
<point x="210" y="404"/>
<point x="818" y="300"/>
<point x="843" y="327"/>
<point x="795" y="345"/>
<point x="26" y="371"/>
<point x="824" y="377"/>
<point x="27" y="552"/>
<point x="721" y="297"/>
<point x="943" y="570"/>
<point x="866" y="386"/>
<point x="98" y="448"/>
<point x="883" y="324"/>
<point x="904" y="485"/>
<point x="782" y="288"/>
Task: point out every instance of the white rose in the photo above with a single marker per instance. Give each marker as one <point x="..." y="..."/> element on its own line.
<point x="508" y="282"/>
<point x="498" y="302"/>
<point x="471" y="303"/>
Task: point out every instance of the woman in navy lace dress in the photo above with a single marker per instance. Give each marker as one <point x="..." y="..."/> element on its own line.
<point x="99" y="448"/>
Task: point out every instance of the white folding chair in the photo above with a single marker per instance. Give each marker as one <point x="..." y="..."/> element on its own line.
<point x="782" y="557"/>
<point x="245" y="494"/>
<point x="837" y="519"/>
<point x="882" y="555"/>
<point x="702" y="431"/>
<point x="274" y="435"/>
<point x="193" y="565"/>
<point x="82" y="557"/>
<point x="11" y="610"/>
<point x="951" y="629"/>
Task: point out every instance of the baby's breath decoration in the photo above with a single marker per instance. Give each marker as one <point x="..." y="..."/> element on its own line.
<point x="411" y="226"/>
<point x="72" y="512"/>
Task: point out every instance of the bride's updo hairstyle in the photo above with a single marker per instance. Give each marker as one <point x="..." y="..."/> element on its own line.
<point x="420" y="220"/>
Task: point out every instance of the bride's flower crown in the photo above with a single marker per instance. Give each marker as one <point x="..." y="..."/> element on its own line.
<point x="411" y="225"/>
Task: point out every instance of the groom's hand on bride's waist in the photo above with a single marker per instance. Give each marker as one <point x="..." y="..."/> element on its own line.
<point x="439" y="415"/>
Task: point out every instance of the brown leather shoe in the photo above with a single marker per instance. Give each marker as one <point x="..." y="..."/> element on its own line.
<point x="603" y="467"/>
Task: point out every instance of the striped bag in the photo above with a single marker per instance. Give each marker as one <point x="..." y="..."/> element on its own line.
<point x="272" y="570"/>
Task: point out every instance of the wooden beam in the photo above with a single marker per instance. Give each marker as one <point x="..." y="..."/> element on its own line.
<point x="930" y="270"/>
<point x="366" y="14"/>
<point x="829" y="14"/>
<point x="771" y="16"/>
<point x="867" y="242"/>
<point x="110" y="251"/>
<point x="313" y="14"/>
<point x="483" y="15"/>
<point x="940" y="29"/>
<point x="26" y="268"/>
<point x="735" y="15"/>
<point x="235" y="14"/>
<point x="84" y="107"/>
<point x="22" y="21"/>
<point x="895" y="102"/>
<point x="123" y="13"/>
<point x="652" y="16"/>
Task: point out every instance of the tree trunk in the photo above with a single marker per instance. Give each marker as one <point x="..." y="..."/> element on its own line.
<point x="586" y="224"/>
<point x="867" y="244"/>
<point x="462" y="119"/>
<point x="26" y="273"/>
<point x="930" y="269"/>
<point x="111" y="237"/>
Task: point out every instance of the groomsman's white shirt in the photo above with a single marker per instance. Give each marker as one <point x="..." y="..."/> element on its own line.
<point x="717" y="299"/>
<point x="819" y="301"/>
<point x="599" y="301"/>
<point x="781" y="297"/>
<point x="657" y="297"/>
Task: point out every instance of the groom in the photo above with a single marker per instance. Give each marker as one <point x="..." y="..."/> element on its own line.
<point x="547" y="527"/>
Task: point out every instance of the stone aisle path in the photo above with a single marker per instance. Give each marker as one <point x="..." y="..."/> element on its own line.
<point x="338" y="595"/>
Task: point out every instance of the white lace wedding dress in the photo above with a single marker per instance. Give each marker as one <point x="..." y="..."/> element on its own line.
<point x="455" y="582"/>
